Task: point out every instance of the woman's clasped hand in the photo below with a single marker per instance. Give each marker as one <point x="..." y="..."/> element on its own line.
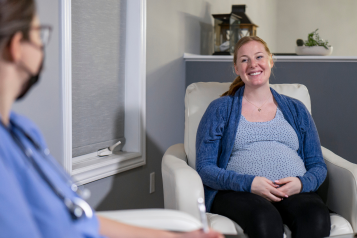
<point x="277" y="190"/>
<point x="289" y="185"/>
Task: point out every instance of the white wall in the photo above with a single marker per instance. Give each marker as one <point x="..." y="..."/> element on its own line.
<point x="280" y="22"/>
<point x="336" y="20"/>
<point x="263" y="13"/>
<point x="192" y="21"/>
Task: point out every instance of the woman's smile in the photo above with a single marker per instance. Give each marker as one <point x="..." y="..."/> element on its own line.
<point x="255" y="77"/>
<point x="255" y="73"/>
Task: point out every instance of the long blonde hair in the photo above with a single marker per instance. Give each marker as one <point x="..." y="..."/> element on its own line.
<point x="237" y="83"/>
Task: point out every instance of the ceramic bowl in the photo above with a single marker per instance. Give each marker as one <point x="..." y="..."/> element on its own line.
<point x="313" y="50"/>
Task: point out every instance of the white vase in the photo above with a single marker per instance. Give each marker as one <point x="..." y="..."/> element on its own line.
<point x="313" y="50"/>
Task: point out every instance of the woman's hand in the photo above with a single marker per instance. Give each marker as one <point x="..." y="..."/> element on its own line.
<point x="201" y="234"/>
<point x="289" y="185"/>
<point x="267" y="189"/>
<point x="113" y="229"/>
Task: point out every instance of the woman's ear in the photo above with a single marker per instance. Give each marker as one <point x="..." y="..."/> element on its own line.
<point x="13" y="49"/>
<point x="236" y="69"/>
<point x="271" y="61"/>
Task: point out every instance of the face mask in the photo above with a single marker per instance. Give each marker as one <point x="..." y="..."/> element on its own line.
<point x="32" y="80"/>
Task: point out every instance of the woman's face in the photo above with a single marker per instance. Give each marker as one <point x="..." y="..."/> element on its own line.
<point x="32" y="53"/>
<point x="253" y="64"/>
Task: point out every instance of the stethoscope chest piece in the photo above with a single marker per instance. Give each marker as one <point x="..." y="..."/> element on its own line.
<point x="78" y="207"/>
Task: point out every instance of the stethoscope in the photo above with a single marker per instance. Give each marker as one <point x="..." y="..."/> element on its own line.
<point x="76" y="206"/>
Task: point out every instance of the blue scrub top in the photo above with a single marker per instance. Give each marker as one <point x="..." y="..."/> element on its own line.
<point x="28" y="206"/>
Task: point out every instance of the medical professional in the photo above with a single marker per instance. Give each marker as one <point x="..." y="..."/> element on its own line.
<point x="37" y="197"/>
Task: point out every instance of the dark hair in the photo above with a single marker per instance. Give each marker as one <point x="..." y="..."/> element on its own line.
<point x="15" y="16"/>
<point x="237" y="83"/>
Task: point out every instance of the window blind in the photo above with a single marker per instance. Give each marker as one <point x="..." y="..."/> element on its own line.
<point x="98" y="74"/>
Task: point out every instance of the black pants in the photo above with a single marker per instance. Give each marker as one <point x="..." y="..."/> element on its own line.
<point x="305" y="214"/>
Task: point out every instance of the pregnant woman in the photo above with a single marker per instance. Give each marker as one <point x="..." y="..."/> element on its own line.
<point x="259" y="154"/>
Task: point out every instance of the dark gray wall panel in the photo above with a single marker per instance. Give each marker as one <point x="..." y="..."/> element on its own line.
<point x="332" y="88"/>
<point x="209" y="72"/>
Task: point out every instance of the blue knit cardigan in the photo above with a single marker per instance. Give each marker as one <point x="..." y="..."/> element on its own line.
<point x="215" y="139"/>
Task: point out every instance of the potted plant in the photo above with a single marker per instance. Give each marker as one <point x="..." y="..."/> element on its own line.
<point x="313" y="45"/>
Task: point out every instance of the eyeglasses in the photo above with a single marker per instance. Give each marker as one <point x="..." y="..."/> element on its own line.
<point x="45" y="33"/>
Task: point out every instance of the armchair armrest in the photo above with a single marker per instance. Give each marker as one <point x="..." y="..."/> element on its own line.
<point x="162" y="219"/>
<point x="182" y="184"/>
<point x="342" y="186"/>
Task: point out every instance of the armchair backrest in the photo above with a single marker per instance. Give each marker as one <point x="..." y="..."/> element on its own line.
<point x="200" y="95"/>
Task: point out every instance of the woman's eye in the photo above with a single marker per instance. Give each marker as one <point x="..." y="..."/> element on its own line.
<point x="244" y="60"/>
<point x="259" y="57"/>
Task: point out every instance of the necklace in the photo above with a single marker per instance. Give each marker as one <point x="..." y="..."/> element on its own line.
<point x="259" y="108"/>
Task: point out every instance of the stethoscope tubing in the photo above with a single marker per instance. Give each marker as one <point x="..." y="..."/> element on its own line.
<point x="73" y="207"/>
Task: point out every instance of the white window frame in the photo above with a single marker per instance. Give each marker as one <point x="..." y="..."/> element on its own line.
<point x="88" y="168"/>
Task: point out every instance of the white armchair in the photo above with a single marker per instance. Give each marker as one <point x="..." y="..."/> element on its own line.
<point x="183" y="186"/>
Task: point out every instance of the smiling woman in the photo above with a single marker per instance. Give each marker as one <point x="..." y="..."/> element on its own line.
<point x="259" y="155"/>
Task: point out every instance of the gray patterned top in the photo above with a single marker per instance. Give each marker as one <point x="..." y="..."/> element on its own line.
<point x="266" y="149"/>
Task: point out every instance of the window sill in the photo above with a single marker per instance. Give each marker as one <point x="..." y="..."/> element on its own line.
<point x="88" y="168"/>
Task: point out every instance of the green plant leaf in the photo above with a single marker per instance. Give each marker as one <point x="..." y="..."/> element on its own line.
<point x="313" y="39"/>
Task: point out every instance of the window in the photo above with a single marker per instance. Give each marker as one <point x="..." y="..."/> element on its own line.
<point x="103" y="65"/>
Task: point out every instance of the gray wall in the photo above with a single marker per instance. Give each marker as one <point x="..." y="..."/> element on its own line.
<point x="43" y="104"/>
<point x="332" y="89"/>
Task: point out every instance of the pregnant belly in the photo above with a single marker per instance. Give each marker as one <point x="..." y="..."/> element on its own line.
<point x="271" y="160"/>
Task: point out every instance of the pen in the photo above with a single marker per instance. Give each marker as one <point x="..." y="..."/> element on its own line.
<point x="202" y="210"/>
